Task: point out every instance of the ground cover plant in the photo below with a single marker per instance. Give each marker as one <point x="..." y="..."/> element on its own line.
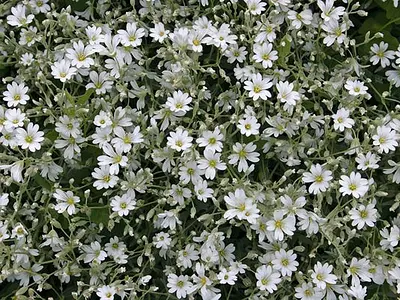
<point x="232" y="149"/>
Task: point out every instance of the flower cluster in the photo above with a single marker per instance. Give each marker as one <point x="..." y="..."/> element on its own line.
<point x="233" y="149"/>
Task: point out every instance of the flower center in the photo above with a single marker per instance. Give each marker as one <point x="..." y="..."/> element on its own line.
<point x="212" y="141"/>
<point x="363" y="214"/>
<point x="70" y="201"/>
<point x="17" y="97"/>
<point x="278" y="224"/>
<point x="106" y="178"/>
<point x="81" y="57"/>
<point x="123" y="205"/>
<point x="242" y="154"/>
<point x="265" y="56"/>
<point x="285" y="262"/>
<point x="180" y="283"/>
<point x="29" y="139"/>
<point x="256" y="89"/>
<point x="179" y="143"/>
<point x="352" y="187"/>
<point x="319" y="179"/>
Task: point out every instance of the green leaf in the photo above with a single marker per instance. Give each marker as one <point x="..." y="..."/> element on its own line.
<point x="284" y="49"/>
<point x="392" y="13"/>
<point x="42" y="182"/>
<point x="85" y="97"/>
<point x="100" y="215"/>
<point x="52" y="135"/>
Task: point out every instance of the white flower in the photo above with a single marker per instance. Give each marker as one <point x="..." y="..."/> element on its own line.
<point x="100" y="82"/>
<point x="124" y="204"/>
<point x="341" y="120"/>
<point x="62" y="70"/>
<point x="298" y="19"/>
<point x="335" y="32"/>
<point x="68" y="127"/>
<point x="241" y="207"/>
<point x="234" y="53"/>
<point x="319" y="177"/>
<point x="308" y="292"/>
<point x="256" y="7"/>
<point x="94" y="35"/>
<point x="3" y="231"/>
<point x="211" y="163"/>
<point x="267" y="279"/>
<point x="242" y="154"/>
<point x="65" y="202"/>
<point x="179" y="284"/>
<point x="291" y="207"/>
<point x="104" y="178"/>
<point x="186" y="256"/>
<point x="178" y="103"/>
<point x="381" y="54"/>
<point x="196" y="39"/>
<point x="393" y="76"/>
<point x="264" y="54"/>
<point x="132" y="36"/>
<point x="162" y="240"/>
<point x="18" y="17"/>
<point x="115" y="247"/>
<point x="124" y="140"/>
<point x="113" y="158"/>
<point x="106" y="292"/>
<point x="286" y="94"/>
<point x="359" y="269"/>
<point x="363" y="215"/>
<point x="79" y="55"/>
<point x="211" y="140"/>
<point x="30" y="138"/>
<point x="40" y="6"/>
<point x="16" y="94"/>
<point x="285" y="262"/>
<point x="102" y="120"/>
<point x="70" y="144"/>
<point x="385" y="138"/>
<point x="358" y="292"/>
<point x="280" y="225"/>
<point x="258" y="87"/>
<point x="322" y="276"/>
<point x="14" y="118"/>
<point x="227" y="276"/>
<point x="4" y="199"/>
<point x="353" y="185"/>
<point x="221" y="37"/>
<point x="356" y="87"/>
<point x="190" y="172"/>
<point x="27" y="59"/>
<point x="329" y="12"/>
<point x="93" y="252"/>
<point x="249" y="126"/>
<point x="158" y="33"/>
<point x="179" y="140"/>
<point x="395" y="169"/>
<point x="368" y="161"/>
<point x="202" y="191"/>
